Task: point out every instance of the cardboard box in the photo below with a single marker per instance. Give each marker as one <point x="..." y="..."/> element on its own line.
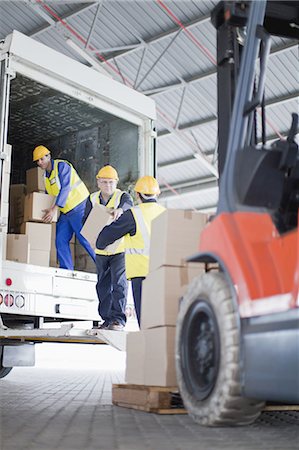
<point x="162" y="291"/>
<point x="39" y="235"/>
<point x="35" y="180"/>
<point x="150" y="357"/>
<point x="135" y="358"/>
<point x="35" y="204"/>
<point x="83" y="260"/>
<point x="98" y="218"/>
<point x="175" y="236"/>
<point x="17" y="194"/>
<point x="160" y="357"/>
<point x="17" y="248"/>
<point x="39" y="257"/>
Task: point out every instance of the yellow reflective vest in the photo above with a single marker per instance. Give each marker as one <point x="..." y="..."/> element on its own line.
<point x="78" y="191"/>
<point x="137" y="247"/>
<point x="113" y="203"/>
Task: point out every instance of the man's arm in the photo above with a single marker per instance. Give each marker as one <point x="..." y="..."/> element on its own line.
<point x="88" y="208"/>
<point x="126" y="202"/>
<point x="64" y="173"/>
<point x="110" y="233"/>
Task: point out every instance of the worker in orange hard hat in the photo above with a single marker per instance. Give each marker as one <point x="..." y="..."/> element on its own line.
<point x="135" y="226"/>
<point x="112" y="285"/>
<point x="63" y="182"/>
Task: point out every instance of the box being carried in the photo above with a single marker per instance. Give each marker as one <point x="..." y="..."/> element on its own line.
<point x="35" y="180"/>
<point x="35" y="204"/>
<point x="98" y="218"/>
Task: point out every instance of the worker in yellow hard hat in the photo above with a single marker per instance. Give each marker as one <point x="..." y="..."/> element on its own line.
<point x="112" y="285"/>
<point x="63" y="182"/>
<point x="135" y="226"/>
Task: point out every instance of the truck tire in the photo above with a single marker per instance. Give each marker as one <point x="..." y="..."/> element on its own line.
<point x="208" y="355"/>
<point x="3" y="370"/>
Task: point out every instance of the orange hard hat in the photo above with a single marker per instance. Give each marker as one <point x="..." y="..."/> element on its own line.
<point x="107" y="172"/>
<point x="147" y="185"/>
<point x="39" y="152"/>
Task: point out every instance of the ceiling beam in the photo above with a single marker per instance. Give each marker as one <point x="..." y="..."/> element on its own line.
<point x="35" y="33"/>
<point x="162" y="89"/>
<point x="197" y="123"/>
<point x="196" y="185"/>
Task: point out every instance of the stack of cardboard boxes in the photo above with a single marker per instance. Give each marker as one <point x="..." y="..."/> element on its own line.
<point x="150" y="352"/>
<point x="31" y="238"/>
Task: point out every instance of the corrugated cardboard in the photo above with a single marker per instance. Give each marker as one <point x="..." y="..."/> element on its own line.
<point x="82" y="260"/>
<point x="39" y="257"/>
<point x="17" y="194"/>
<point x="35" y="204"/>
<point x="175" y="236"/>
<point x="39" y="235"/>
<point x="150" y="357"/>
<point x="160" y="357"/>
<point x="98" y="218"/>
<point x="135" y="358"/>
<point x="35" y="180"/>
<point x="17" y="248"/>
<point x="161" y="293"/>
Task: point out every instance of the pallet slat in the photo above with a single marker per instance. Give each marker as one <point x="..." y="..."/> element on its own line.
<point x="155" y="399"/>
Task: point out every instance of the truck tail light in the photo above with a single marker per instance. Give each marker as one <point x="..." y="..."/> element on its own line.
<point x="8" y="300"/>
<point x="20" y="301"/>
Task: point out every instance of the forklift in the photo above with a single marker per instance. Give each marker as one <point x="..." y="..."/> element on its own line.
<point x="237" y="338"/>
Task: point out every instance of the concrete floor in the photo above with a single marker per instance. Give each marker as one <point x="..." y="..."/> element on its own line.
<point x="69" y="409"/>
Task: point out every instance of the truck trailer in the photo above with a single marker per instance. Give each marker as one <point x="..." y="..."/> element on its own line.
<point x="89" y="119"/>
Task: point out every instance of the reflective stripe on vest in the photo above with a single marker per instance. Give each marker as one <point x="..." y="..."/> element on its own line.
<point x="78" y="191"/>
<point x="144" y="233"/>
<point x="113" y="203"/>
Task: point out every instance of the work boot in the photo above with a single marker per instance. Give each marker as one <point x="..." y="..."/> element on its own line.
<point x="116" y="326"/>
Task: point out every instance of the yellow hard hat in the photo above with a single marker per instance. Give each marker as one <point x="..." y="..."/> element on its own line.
<point x="107" y="172"/>
<point x="147" y="185"/>
<point x="39" y="152"/>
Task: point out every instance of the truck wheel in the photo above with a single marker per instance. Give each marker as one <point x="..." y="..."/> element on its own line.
<point x="3" y="370"/>
<point x="208" y="355"/>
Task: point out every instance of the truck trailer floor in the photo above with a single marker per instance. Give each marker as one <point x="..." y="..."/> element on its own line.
<point x="45" y="409"/>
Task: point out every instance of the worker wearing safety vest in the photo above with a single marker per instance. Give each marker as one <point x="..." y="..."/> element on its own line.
<point x="135" y="226"/>
<point x="63" y="182"/>
<point x="112" y="285"/>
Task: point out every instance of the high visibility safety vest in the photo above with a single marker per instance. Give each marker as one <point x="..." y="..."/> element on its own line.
<point x="78" y="191"/>
<point x="137" y="247"/>
<point x="113" y="203"/>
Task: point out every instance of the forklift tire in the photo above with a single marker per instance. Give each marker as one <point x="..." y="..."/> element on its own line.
<point x="208" y="355"/>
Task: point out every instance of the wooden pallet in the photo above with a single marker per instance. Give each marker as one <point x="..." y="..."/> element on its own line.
<point x="154" y="399"/>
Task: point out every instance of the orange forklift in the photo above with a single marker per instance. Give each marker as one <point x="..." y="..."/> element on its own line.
<point x="237" y="342"/>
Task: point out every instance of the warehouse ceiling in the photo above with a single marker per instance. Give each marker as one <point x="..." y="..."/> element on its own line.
<point x="166" y="50"/>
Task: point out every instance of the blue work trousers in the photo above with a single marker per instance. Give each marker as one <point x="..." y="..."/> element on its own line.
<point x="137" y="292"/>
<point x="67" y="225"/>
<point x="112" y="287"/>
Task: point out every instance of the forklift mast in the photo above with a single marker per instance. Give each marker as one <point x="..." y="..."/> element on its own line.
<point x="279" y="18"/>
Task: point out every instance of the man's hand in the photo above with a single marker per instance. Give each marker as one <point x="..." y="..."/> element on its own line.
<point x="49" y="214"/>
<point x="116" y="213"/>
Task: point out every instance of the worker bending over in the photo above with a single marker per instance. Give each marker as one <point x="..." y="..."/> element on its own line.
<point x="135" y="226"/>
<point x="63" y="182"/>
<point x="112" y="285"/>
